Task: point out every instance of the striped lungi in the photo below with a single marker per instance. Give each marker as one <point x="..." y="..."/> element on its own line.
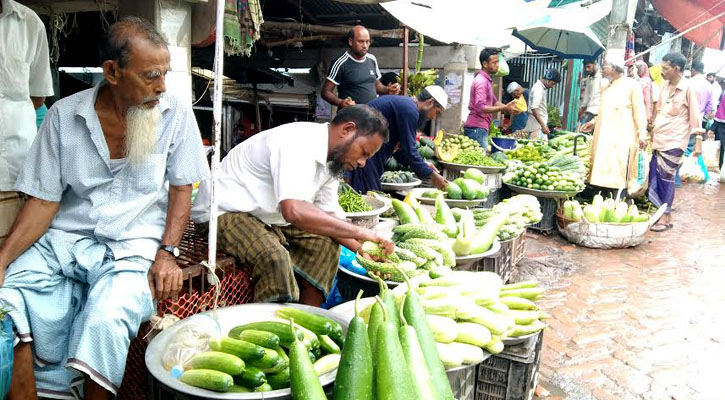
<point x="10" y="205"/>
<point x="662" y="171"/>
<point x="276" y="253"/>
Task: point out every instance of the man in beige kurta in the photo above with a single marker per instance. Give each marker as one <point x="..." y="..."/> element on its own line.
<point x="619" y="129"/>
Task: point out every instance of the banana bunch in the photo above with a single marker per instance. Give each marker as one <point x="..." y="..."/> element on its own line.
<point x="418" y="81"/>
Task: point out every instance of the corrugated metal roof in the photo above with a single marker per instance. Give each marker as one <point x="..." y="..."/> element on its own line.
<point x="329" y="12"/>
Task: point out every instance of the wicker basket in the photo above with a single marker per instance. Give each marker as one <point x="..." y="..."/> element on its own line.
<point x="606" y="235"/>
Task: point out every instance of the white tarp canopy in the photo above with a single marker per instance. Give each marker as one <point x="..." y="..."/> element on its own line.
<point x="484" y="23"/>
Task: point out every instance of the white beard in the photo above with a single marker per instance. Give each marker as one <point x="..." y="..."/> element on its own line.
<point x="141" y="130"/>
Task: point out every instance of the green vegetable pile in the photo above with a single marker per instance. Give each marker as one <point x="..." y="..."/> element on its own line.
<point x="605" y="211"/>
<point x="352" y="202"/>
<point x="476" y="157"/>
<point x="461" y="142"/>
<point x="540" y="176"/>
<point x="398" y="177"/>
<point x="270" y="355"/>
<point x="525" y="154"/>
<point x="468" y="187"/>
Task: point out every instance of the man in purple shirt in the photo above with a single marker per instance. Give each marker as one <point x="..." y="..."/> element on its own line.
<point x="703" y="88"/>
<point x="483" y="103"/>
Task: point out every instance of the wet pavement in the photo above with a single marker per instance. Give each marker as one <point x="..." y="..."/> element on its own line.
<point x="639" y="323"/>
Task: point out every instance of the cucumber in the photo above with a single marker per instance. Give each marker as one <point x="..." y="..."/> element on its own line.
<point x="244" y="350"/>
<point x="354" y="379"/>
<point x="268" y="363"/>
<point x="218" y="361"/>
<point x="416" y="361"/>
<point x="498" y="307"/>
<point x="520" y="285"/>
<point x="327" y="345"/>
<point x="260" y="338"/>
<point x="392" y="373"/>
<point x="251" y="377"/>
<point x="405" y="213"/>
<point x="263" y="388"/>
<point x="519" y="303"/>
<point x="208" y="379"/>
<point x="318" y="324"/>
<point x="239" y="389"/>
<point x="526" y="293"/>
<point x="304" y="383"/>
<point x="326" y="364"/>
<point x="415" y="316"/>
<point x="280" y="380"/>
<point x="280" y="329"/>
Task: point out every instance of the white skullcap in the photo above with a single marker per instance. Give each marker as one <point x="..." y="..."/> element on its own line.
<point x="615" y="57"/>
<point x="511" y="87"/>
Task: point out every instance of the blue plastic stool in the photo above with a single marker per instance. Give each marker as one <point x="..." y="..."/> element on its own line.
<point x="6" y="355"/>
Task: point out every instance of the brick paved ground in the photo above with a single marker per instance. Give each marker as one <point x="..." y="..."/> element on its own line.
<point x="641" y="323"/>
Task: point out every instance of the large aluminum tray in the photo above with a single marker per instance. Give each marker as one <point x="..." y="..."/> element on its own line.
<point x="228" y="318"/>
<point x="547" y="194"/>
<point x="418" y="193"/>
<point x="463" y="167"/>
<point x="378" y="207"/>
<point x="394" y="187"/>
<point x="472" y="258"/>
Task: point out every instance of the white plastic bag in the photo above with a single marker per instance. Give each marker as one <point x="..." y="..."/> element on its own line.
<point x="690" y="171"/>
<point x="711" y="153"/>
<point x="503" y="66"/>
<point x="722" y="175"/>
<point x="190" y="340"/>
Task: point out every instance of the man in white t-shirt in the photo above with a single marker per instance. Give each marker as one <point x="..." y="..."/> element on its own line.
<point x="278" y="202"/>
<point x="539" y="117"/>
<point x="25" y="82"/>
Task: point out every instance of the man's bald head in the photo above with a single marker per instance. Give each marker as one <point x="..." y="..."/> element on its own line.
<point x="358" y="40"/>
<point x="117" y="42"/>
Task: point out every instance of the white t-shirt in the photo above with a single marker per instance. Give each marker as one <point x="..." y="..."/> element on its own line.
<point x="24" y="72"/>
<point x="538" y="102"/>
<point x="288" y="162"/>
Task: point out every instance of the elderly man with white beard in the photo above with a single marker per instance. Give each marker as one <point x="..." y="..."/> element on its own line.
<point x="109" y="177"/>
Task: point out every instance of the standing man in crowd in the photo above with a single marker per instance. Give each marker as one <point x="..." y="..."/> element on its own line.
<point x="716" y="92"/>
<point x="483" y="102"/>
<point x="539" y="113"/>
<point x="109" y="178"/>
<point x="25" y="82"/>
<point x="591" y="89"/>
<point x="278" y="203"/>
<point x="402" y="114"/>
<point x="356" y="74"/>
<point x="677" y="120"/>
<point x="717" y="130"/>
<point x="703" y="88"/>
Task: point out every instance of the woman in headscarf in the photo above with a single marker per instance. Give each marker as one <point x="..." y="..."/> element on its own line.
<point x="646" y="82"/>
<point x="620" y="128"/>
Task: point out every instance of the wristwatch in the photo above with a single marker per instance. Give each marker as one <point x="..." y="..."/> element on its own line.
<point x="170" y="249"/>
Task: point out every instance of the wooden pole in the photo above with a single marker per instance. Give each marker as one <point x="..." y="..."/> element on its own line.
<point x="216" y="129"/>
<point x="406" y="33"/>
<point x="258" y="114"/>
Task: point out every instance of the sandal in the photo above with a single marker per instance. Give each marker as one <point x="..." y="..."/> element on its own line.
<point x="658" y="227"/>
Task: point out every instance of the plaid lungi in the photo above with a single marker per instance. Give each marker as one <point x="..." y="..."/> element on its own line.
<point x="10" y="205"/>
<point x="276" y="253"/>
<point x="662" y="171"/>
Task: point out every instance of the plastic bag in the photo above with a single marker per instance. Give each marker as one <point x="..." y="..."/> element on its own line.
<point x="690" y="171"/>
<point x="189" y="341"/>
<point x="503" y="66"/>
<point x="711" y="153"/>
<point x="638" y="173"/>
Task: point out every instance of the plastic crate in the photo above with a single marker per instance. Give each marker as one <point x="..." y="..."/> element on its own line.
<point x="501" y="263"/>
<point x="519" y="248"/>
<point x="512" y="374"/>
<point x="463" y="382"/>
<point x="548" y="220"/>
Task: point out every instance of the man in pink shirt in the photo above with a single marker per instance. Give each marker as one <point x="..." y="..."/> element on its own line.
<point x="483" y="103"/>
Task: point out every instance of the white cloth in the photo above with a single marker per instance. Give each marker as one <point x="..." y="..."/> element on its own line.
<point x="591" y="91"/>
<point x="24" y="72"/>
<point x="716" y="94"/>
<point x="538" y="102"/>
<point x="288" y="162"/>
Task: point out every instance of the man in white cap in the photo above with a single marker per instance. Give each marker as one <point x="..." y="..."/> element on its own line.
<point x="518" y="121"/>
<point x="403" y="114"/>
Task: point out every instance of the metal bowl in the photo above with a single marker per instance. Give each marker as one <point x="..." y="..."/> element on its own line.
<point x="229" y="317"/>
<point x="394" y="187"/>
<point x="418" y="192"/>
<point x="509" y="341"/>
<point x="390" y="284"/>
<point x="378" y="207"/>
<point x="541" y="193"/>
<point x="462" y="167"/>
<point x="472" y="258"/>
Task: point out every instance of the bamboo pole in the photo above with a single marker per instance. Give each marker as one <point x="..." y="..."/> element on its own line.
<point x="406" y="33"/>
